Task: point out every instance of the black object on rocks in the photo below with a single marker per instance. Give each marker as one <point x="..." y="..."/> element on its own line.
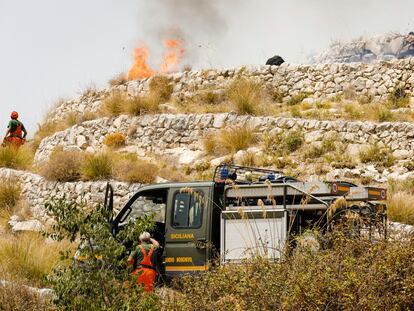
<point x="275" y="60"/>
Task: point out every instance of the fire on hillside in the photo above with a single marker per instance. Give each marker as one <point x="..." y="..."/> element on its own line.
<point x="174" y="52"/>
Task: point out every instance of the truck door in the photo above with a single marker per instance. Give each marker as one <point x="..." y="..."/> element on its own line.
<point x="186" y="230"/>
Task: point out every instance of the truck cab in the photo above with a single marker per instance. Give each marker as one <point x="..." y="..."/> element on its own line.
<point x="187" y="222"/>
<point x="243" y="212"/>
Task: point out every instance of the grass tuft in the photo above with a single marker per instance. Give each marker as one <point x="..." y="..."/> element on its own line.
<point x="16" y="158"/>
<point x="245" y="96"/>
<point x="400" y="207"/>
<point x="398" y="98"/>
<point x="115" y="105"/>
<point x="161" y="87"/>
<point x="63" y="166"/>
<point x="375" y="154"/>
<point x="129" y="168"/>
<point x="10" y="193"/>
<point x="118" y="80"/>
<point x="27" y="257"/>
<point x="115" y="140"/>
<point x="229" y="140"/>
<point x="97" y="166"/>
<point x="296" y="99"/>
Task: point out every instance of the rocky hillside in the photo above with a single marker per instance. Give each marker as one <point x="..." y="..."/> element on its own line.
<point x="303" y="126"/>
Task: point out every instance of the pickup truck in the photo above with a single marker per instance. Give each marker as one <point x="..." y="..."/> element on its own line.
<point x="241" y="213"/>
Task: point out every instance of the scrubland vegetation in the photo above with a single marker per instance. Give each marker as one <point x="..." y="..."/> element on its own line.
<point x="348" y="272"/>
<point x="76" y="165"/>
<point x="351" y="274"/>
<point x="229" y="140"/>
<point x="159" y="92"/>
<point x="16" y="158"/>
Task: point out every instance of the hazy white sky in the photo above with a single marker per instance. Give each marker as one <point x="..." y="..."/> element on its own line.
<point x="56" y="48"/>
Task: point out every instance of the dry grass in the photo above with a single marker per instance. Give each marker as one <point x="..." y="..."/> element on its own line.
<point x="399" y="98"/>
<point x="245" y="96"/>
<point x="63" y="166"/>
<point x="282" y="143"/>
<point x="97" y="167"/>
<point x="161" y="87"/>
<point x="16" y="158"/>
<point x="140" y="105"/>
<point x="117" y="80"/>
<point x="115" y="140"/>
<point x="401" y="207"/>
<point x="347" y="274"/>
<point x="296" y="99"/>
<point x="10" y="192"/>
<point x="129" y="168"/>
<point x="27" y="257"/>
<point x="115" y="105"/>
<point x="229" y="140"/>
<point x="377" y="155"/>
<point x="16" y="296"/>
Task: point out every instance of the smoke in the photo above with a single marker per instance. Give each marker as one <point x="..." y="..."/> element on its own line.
<point x="228" y="33"/>
<point x="200" y="24"/>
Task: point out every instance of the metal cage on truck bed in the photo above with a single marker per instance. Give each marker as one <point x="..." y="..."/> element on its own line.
<point x="264" y="208"/>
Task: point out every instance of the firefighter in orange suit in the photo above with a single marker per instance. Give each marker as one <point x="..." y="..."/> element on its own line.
<point x="16" y="133"/>
<point x="144" y="261"/>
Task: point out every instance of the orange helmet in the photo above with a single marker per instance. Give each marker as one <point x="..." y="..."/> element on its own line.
<point x="14" y="115"/>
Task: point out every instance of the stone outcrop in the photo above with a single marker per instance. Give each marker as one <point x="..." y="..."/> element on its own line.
<point x="317" y="80"/>
<point x="182" y="134"/>
<point x="385" y="47"/>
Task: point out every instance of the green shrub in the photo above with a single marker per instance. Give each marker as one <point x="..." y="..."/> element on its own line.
<point x="98" y="166"/>
<point x="63" y="166"/>
<point x="102" y="281"/>
<point x="245" y="95"/>
<point x="294" y="140"/>
<point x="282" y="143"/>
<point x="16" y="158"/>
<point x="353" y="274"/>
<point x="377" y="155"/>
<point x="115" y="140"/>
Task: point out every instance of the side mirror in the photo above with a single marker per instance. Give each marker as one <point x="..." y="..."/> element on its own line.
<point x="109" y="202"/>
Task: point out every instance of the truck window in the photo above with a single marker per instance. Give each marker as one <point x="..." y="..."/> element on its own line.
<point x="151" y="202"/>
<point x="188" y="209"/>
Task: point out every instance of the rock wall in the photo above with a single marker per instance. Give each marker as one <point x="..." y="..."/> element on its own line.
<point x="37" y="191"/>
<point x="182" y="135"/>
<point x="318" y="80"/>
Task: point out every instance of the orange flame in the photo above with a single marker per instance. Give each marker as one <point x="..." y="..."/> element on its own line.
<point x="173" y="55"/>
<point x="141" y="69"/>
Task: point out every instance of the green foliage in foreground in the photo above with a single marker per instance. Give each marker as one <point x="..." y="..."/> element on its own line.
<point x="101" y="281"/>
<point x="348" y="273"/>
<point x="353" y="274"/>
